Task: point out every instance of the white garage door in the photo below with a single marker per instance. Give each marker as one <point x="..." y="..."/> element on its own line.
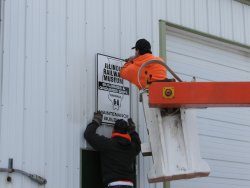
<point x="224" y="132"/>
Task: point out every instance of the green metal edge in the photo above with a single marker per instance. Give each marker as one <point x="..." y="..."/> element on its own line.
<point x="246" y="2"/>
<point x="166" y="184"/>
<point x="162" y="39"/>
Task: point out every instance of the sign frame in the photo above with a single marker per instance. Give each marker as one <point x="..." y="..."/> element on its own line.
<point x="125" y="88"/>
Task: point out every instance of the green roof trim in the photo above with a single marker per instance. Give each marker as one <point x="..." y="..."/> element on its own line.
<point x="162" y="39"/>
<point x="247" y="2"/>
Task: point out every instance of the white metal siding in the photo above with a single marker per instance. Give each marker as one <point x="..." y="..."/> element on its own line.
<point x="41" y="98"/>
<point x="224" y="132"/>
<point x="48" y="71"/>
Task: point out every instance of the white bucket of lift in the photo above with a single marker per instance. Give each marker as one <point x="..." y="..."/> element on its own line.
<point x="174" y="144"/>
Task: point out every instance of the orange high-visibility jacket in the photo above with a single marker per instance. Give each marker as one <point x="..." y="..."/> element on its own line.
<point x="130" y="70"/>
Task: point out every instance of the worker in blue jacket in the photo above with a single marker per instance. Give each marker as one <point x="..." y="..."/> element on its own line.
<point x="117" y="153"/>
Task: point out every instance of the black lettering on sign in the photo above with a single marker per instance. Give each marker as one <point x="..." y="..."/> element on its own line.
<point x="113" y="88"/>
<point x="111" y="73"/>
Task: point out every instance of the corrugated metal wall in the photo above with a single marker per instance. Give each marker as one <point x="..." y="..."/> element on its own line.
<point x="43" y="93"/>
<point x="48" y="71"/>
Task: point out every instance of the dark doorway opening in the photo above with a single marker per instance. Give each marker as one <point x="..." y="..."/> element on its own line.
<point x="91" y="170"/>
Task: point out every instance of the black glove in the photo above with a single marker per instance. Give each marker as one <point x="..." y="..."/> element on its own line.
<point x="126" y="60"/>
<point x="98" y="117"/>
<point x="129" y="59"/>
<point x="131" y="125"/>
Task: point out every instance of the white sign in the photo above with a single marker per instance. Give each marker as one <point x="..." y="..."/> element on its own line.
<point x="113" y="93"/>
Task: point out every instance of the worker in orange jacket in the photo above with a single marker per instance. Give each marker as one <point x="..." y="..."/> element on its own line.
<point x="151" y="72"/>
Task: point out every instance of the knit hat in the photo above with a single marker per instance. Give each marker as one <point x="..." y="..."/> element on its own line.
<point x="121" y="126"/>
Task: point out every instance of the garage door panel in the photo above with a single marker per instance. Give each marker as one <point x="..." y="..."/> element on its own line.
<point x="188" y="45"/>
<point x="229" y="115"/>
<point x="225" y="149"/>
<point x="224" y="61"/>
<point x="235" y="59"/>
<point x="205" y="69"/>
<point x="225" y="130"/>
<point x="211" y="182"/>
<point x="184" y="65"/>
<point x="224" y="169"/>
